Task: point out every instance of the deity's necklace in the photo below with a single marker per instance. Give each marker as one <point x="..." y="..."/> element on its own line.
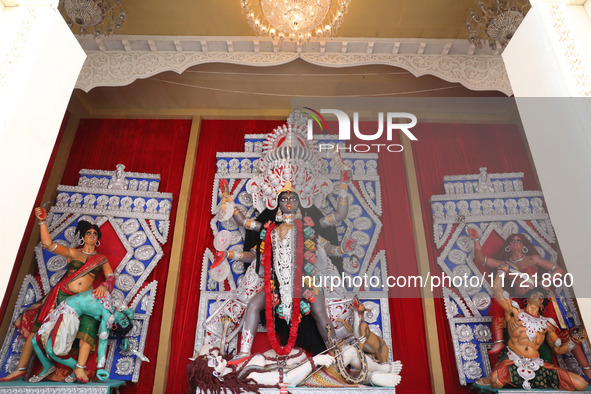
<point x="516" y="261"/>
<point x="88" y="253"/>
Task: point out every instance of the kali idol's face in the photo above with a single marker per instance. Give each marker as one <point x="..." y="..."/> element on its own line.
<point x="289" y="202"/>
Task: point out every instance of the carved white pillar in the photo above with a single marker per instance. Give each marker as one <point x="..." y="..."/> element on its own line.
<point x="550" y="58"/>
<point x="40" y="60"/>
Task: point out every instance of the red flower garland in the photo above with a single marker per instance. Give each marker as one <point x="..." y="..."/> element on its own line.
<point x="295" y="311"/>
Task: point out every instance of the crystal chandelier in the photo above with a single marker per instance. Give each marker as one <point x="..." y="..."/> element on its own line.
<point x="97" y="17"/>
<point x="295" y="19"/>
<point x="495" y="21"/>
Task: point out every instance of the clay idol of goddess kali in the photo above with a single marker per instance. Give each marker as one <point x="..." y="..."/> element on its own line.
<point x="289" y="244"/>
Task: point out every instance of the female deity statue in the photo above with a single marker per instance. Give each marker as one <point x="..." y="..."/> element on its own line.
<point x="83" y="266"/>
<point x="523" y="262"/>
<point x="290" y="241"/>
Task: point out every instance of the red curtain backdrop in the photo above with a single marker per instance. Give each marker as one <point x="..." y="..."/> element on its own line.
<point x="456" y="149"/>
<point x="409" y="342"/>
<point x="149" y="146"/>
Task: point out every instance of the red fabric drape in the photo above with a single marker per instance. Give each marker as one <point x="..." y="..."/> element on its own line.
<point x="149" y="146"/>
<point x="456" y="149"/>
<point x="409" y="342"/>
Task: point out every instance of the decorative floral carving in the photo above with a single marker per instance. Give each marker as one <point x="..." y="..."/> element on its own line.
<point x="463" y="207"/>
<point x="481" y="300"/>
<point x="135" y="268"/>
<point x="450" y="209"/>
<point x="144" y="253"/>
<point x="165" y="206"/>
<point x="372" y="168"/>
<point x="117" y="68"/>
<point x="55" y="278"/>
<point x="138" y="203"/>
<point x="137" y="239"/>
<point x="451" y="309"/>
<point x="351" y="265"/>
<point x="57" y="263"/>
<point x="147" y="303"/>
<point x="465" y="243"/>
<point x="221" y="272"/>
<point x="18" y="344"/>
<point x="464" y="333"/>
<point x="355" y="211"/>
<point x="62" y="200"/>
<point x="11" y="363"/>
<point x="361" y="237"/>
<point x="372" y="311"/>
<point x="114" y="203"/>
<point x="468" y="351"/>
<point x="75" y="200"/>
<point x="137" y="328"/>
<point x="472" y="370"/>
<point x="509" y="229"/>
<point x="126" y="203"/>
<point x="29" y="297"/>
<point x="482" y="333"/>
<point x="124" y="366"/>
<point x="462" y="271"/>
<point x="362" y="223"/>
<point x="89" y="201"/>
<point x="456" y="256"/>
<point x="102" y="202"/>
<point x="238" y="267"/>
<point x="229" y="225"/>
<point x="475" y="208"/>
<point x="125" y="282"/>
<point x="152" y="205"/>
<point x="245" y="199"/>
<point x="245" y="166"/>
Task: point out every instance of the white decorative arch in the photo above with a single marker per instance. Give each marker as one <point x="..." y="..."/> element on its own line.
<point x="120" y="60"/>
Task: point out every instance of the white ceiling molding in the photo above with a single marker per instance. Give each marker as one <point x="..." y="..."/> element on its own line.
<point x="120" y="60"/>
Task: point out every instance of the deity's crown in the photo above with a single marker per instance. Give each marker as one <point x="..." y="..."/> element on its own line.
<point x="289" y="162"/>
<point x="287" y="188"/>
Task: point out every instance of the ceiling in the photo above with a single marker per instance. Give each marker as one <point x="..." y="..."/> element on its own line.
<point x="366" y="18"/>
<point x="231" y="86"/>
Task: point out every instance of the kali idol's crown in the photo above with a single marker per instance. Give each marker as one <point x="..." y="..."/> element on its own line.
<point x="289" y="163"/>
